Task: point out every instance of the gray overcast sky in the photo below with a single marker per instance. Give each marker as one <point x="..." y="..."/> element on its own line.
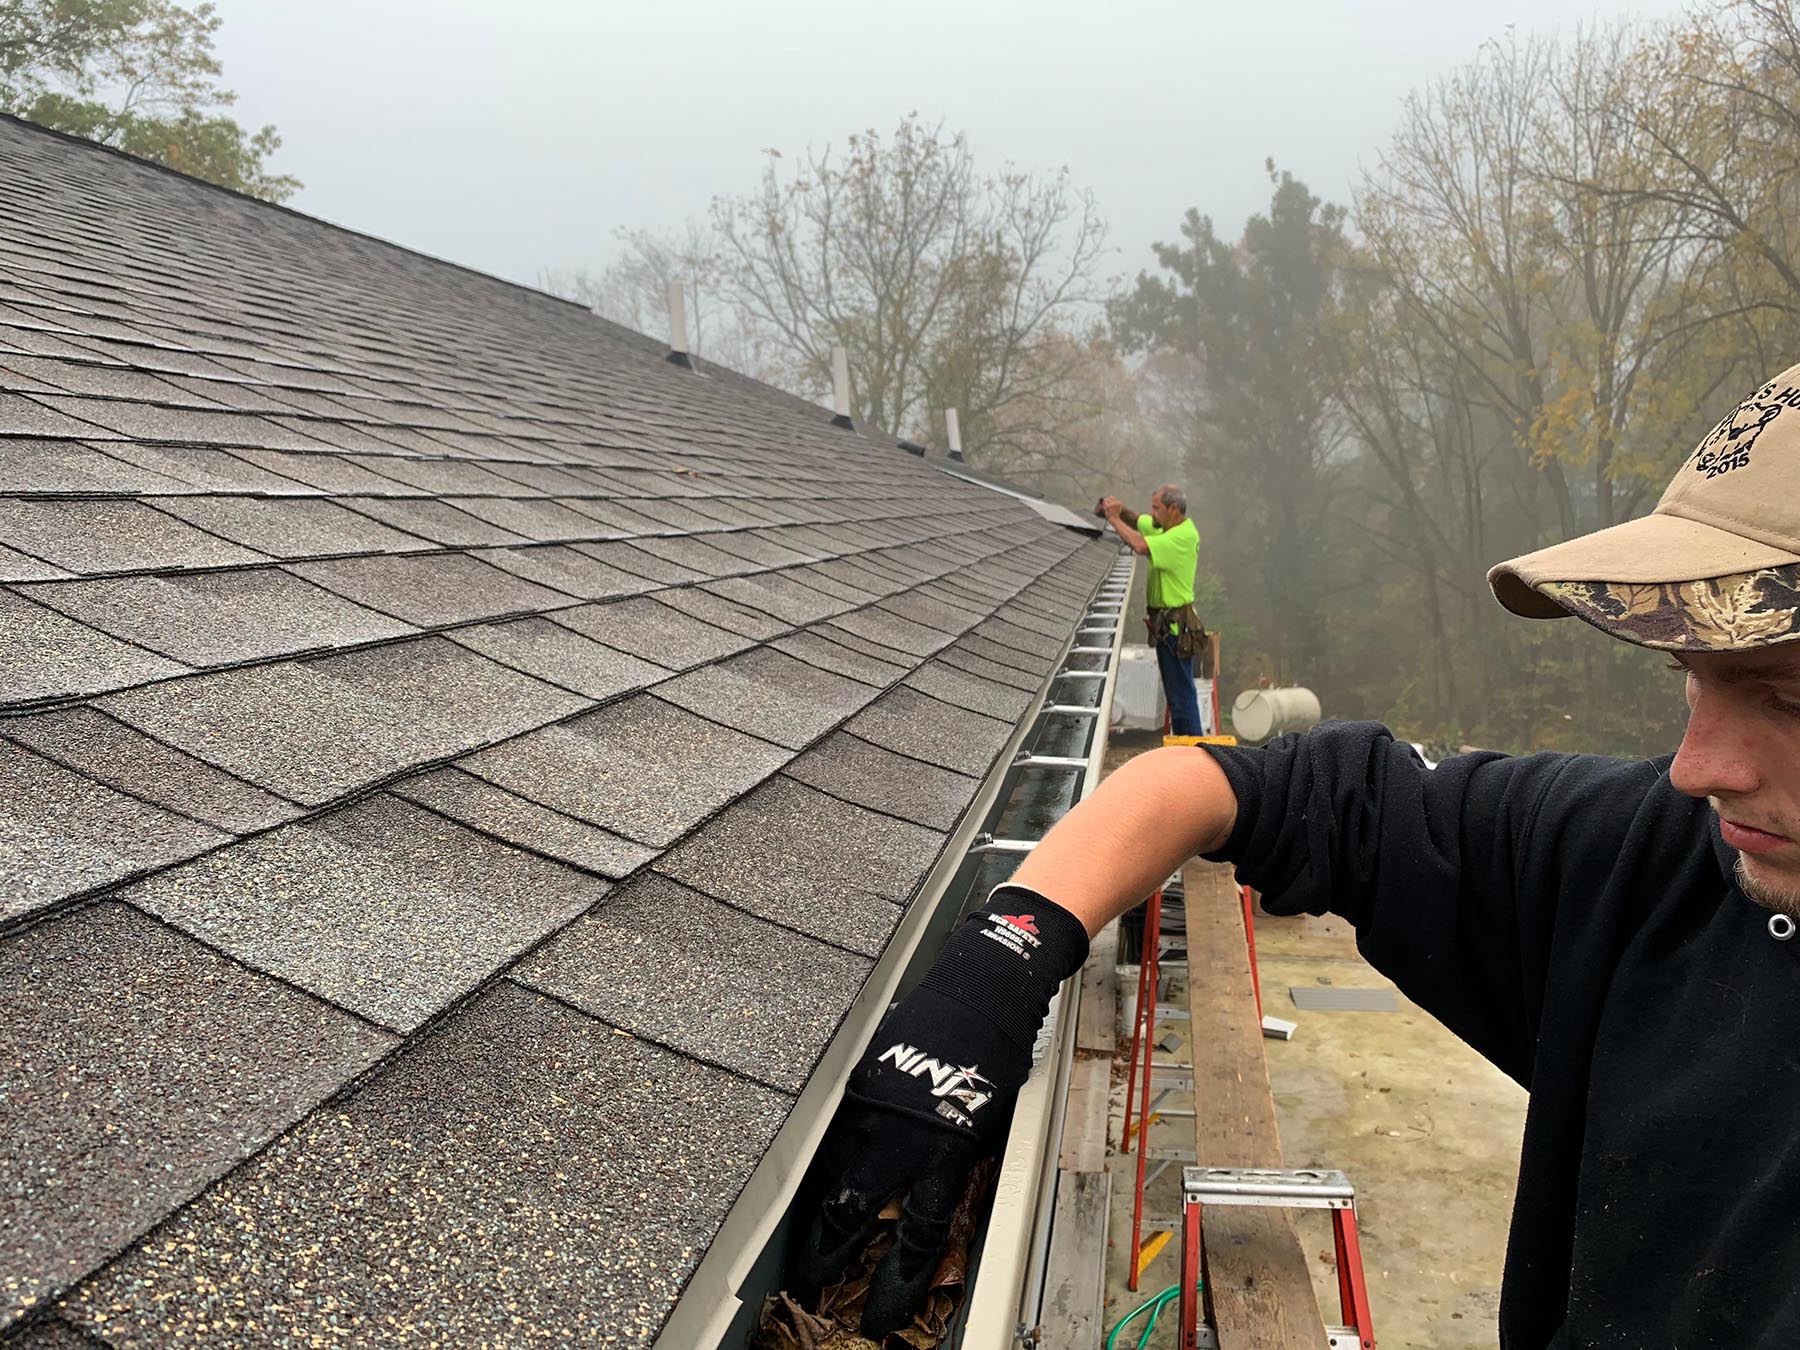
<point x="515" y="136"/>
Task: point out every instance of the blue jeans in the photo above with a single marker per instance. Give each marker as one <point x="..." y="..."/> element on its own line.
<point x="1178" y="689"/>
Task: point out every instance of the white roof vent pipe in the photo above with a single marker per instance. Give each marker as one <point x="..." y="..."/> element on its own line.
<point x="678" y="334"/>
<point x="840" y="388"/>
<point x="954" y="432"/>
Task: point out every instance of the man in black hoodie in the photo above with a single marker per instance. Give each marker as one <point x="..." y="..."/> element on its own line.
<point x="1616" y="935"/>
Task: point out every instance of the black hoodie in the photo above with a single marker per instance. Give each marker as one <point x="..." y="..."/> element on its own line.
<point x="1576" y="920"/>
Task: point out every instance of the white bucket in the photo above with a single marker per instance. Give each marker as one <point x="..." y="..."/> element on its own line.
<point x="1258" y="714"/>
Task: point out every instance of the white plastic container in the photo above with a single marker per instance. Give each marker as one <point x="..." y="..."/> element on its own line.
<point x="1137" y="695"/>
<point x="1258" y="714"/>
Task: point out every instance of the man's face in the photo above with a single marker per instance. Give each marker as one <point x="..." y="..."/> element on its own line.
<point x="1742" y="753"/>
<point x="1159" y="511"/>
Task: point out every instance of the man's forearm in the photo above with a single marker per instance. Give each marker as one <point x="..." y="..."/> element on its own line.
<point x="1147" y="818"/>
<point x="1133" y="540"/>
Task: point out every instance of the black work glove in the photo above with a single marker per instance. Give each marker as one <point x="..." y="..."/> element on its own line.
<point x="934" y="1094"/>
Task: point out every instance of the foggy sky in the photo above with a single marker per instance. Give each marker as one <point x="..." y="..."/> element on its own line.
<point x="514" y="137"/>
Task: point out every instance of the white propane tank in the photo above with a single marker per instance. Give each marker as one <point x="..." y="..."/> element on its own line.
<point x="1258" y="714"/>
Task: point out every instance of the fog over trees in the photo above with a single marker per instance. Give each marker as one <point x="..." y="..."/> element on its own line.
<point x="1568" y="260"/>
<point x="1572" y="257"/>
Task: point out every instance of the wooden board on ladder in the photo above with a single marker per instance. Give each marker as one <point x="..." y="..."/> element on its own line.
<point x="1258" y="1292"/>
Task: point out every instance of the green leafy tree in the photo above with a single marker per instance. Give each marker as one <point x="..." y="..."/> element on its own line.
<point x="1262" y="436"/>
<point x="140" y="75"/>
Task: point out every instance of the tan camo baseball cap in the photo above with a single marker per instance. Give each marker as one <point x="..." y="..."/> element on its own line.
<point x="1716" y="567"/>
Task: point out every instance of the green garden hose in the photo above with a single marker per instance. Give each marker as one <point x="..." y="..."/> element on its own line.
<point x="1154" y="1307"/>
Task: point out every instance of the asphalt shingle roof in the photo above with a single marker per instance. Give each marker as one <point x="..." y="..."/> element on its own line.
<point x="429" y="723"/>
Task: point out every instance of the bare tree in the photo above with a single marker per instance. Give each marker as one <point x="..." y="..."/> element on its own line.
<point x="948" y="287"/>
<point x="633" y="289"/>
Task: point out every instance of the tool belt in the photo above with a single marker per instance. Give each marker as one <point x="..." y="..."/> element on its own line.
<point x="1183" y="624"/>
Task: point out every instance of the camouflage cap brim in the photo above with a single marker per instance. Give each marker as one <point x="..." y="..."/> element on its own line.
<point x="1730" y="613"/>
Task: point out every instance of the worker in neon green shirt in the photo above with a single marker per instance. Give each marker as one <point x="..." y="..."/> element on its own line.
<point x="1169" y="540"/>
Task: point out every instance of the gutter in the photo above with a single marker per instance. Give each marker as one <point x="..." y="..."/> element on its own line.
<point x="721" y="1302"/>
<point x="1006" y="1295"/>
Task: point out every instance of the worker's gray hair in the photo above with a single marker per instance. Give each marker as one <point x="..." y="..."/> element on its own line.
<point x="1173" y="496"/>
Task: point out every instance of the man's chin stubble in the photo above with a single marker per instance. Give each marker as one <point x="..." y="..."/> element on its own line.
<point x="1781" y="899"/>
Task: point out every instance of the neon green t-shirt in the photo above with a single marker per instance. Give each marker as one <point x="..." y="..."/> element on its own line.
<point x="1174" y="557"/>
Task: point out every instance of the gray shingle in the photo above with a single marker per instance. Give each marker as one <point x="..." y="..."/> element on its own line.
<point x="890" y="630"/>
<point x="670" y="963"/>
<point x="1011" y="637"/>
<point x="185" y="426"/>
<point x="719" y="612"/>
<point x="536" y="519"/>
<point x="555" y="653"/>
<point x="772" y="593"/>
<point x="204" y="470"/>
<point x="314" y="730"/>
<point x="290" y="527"/>
<point x="46" y="655"/>
<point x="851" y="768"/>
<point x="852" y="596"/>
<point x="1046" y="629"/>
<point x="334" y="475"/>
<point x="770" y="695"/>
<point x="932" y="613"/>
<point x="547" y="1139"/>
<point x="980" y="656"/>
<point x="134" y="1075"/>
<point x="810" y="862"/>
<point x="696" y="554"/>
<point x="973" y="692"/>
<point x="95" y="536"/>
<point x="217" y="618"/>
<point x="574" y="573"/>
<point x="71" y="466"/>
<point x="381" y="907"/>
<point x="21" y="416"/>
<point x="438" y="589"/>
<point x="482" y="806"/>
<point x="63" y="835"/>
<point x="652" y="631"/>
<point x="432" y="520"/>
<point x="810" y="646"/>
<point x="910" y="723"/>
<point x="628" y="557"/>
<point x="440" y="477"/>
<point x="120" y="757"/>
<point x="642" y="768"/>
<point x="16" y="566"/>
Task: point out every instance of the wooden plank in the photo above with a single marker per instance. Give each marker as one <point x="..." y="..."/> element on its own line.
<point x="1095" y="1028"/>
<point x="1074" y="1314"/>
<point x="1084" y="1119"/>
<point x="1259" y="1293"/>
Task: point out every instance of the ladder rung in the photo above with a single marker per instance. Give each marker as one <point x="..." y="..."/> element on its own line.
<point x="1070" y="710"/>
<point x="1049" y="762"/>
<point x="1080" y="675"/>
<point x="1090" y="651"/>
<point x="1281" y="1188"/>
